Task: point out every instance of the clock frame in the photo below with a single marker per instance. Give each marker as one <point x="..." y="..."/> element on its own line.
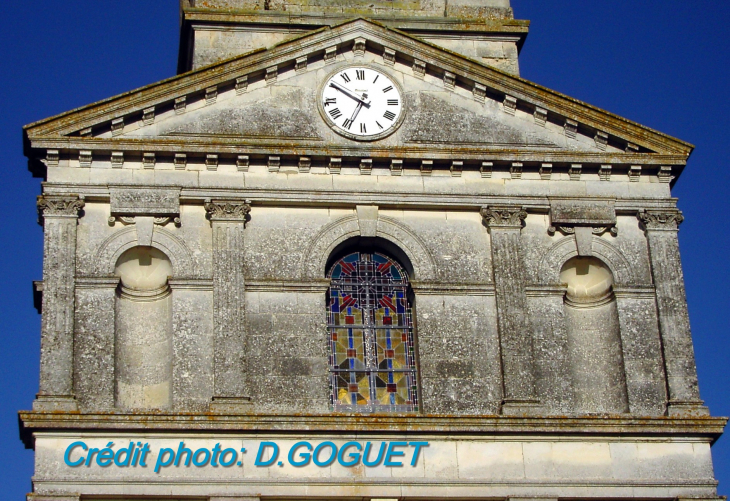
<point x="351" y="71"/>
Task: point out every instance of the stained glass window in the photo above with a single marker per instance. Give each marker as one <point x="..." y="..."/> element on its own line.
<point x="372" y="355"/>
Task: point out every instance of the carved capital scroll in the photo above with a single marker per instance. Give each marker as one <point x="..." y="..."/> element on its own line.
<point x="662" y="220"/>
<point x="58" y="206"/>
<point x="228" y="210"/>
<point x="503" y="216"/>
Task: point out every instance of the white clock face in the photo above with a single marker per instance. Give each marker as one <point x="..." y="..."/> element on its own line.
<point x="360" y="102"/>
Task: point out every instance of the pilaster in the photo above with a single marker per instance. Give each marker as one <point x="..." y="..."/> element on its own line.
<point x="505" y="224"/>
<point x="661" y="227"/>
<point x="59" y="217"/>
<point x="231" y="388"/>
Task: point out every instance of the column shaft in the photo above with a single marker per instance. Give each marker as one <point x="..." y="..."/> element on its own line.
<point x="231" y="376"/>
<point x="59" y="216"/>
<point x="661" y="234"/>
<point x="505" y="223"/>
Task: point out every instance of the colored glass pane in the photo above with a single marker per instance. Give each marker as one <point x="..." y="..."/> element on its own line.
<point x="372" y="361"/>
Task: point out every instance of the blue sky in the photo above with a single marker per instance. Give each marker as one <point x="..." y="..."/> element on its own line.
<point x="663" y="64"/>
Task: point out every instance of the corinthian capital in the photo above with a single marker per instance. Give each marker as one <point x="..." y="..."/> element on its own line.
<point x="666" y="219"/>
<point x="230" y="211"/>
<point x="58" y="206"/>
<point x="503" y="216"/>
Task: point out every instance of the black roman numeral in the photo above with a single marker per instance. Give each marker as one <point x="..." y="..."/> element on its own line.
<point x="388" y="89"/>
<point x="335" y="113"/>
<point x="347" y="123"/>
<point x="376" y="78"/>
<point x="345" y="77"/>
<point x="389" y="115"/>
<point x="363" y="130"/>
<point x="330" y="100"/>
<point x="381" y="127"/>
<point x="360" y="74"/>
<point x="392" y="102"/>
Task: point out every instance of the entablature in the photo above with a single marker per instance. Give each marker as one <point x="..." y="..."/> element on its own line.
<point x="333" y="197"/>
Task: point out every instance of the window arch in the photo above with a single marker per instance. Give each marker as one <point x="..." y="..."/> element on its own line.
<point x="372" y="359"/>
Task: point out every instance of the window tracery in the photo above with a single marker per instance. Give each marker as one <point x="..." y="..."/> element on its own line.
<point x="370" y="322"/>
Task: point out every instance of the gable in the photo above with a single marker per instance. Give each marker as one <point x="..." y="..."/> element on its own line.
<point x="265" y="103"/>
<point x="287" y="110"/>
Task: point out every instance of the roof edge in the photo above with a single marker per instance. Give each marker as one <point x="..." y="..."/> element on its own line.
<point x="505" y="79"/>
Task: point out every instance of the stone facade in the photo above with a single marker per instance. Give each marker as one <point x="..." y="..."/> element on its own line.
<point x="191" y="230"/>
<point x="217" y="30"/>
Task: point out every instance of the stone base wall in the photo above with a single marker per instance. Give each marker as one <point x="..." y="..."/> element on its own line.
<point x="456" y="467"/>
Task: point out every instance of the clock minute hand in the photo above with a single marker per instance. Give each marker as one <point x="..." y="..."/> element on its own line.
<point x="349" y="93"/>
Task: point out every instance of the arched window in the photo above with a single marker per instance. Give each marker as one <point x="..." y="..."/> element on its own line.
<point x="372" y="355"/>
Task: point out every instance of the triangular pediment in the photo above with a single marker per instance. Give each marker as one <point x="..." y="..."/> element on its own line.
<point x="266" y="101"/>
<point x="288" y="112"/>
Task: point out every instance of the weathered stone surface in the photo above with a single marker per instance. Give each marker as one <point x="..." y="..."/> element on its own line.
<point x="193" y="347"/>
<point x="459" y="354"/>
<point x="529" y="385"/>
<point x="582" y="213"/>
<point x="59" y="217"/>
<point x="144" y="201"/>
<point x="436" y="120"/>
<point x="661" y="234"/>
<point x="552" y="361"/>
<point x="94" y="346"/>
<point x="645" y="378"/>
<point x="284" y="116"/>
<point x="230" y="362"/>
<point x="505" y="224"/>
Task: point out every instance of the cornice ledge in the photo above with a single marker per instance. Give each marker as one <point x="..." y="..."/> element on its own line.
<point x="232" y="146"/>
<point x="453" y="289"/>
<point x="314" y="286"/>
<point x="540" y="290"/>
<point x="704" y="427"/>
<point x="84" y="282"/>
<point x="198" y="284"/>
<point x="635" y="291"/>
<point x="330" y="19"/>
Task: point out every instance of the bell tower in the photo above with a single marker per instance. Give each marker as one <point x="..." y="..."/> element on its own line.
<point x="484" y="30"/>
<point x="347" y="254"/>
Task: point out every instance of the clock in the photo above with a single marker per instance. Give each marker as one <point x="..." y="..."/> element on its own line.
<point x="362" y="103"/>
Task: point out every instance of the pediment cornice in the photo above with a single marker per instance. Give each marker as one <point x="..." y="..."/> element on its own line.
<point x="487" y="83"/>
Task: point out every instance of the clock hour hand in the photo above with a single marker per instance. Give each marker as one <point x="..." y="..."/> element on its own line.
<point x="357" y="110"/>
<point x="351" y="94"/>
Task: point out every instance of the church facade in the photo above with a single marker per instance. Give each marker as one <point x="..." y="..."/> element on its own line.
<point x="348" y="253"/>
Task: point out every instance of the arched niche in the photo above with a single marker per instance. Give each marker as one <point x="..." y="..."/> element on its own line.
<point x="118" y="243"/>
<point x="551" y="263"/>
<point x="594" y="350"/>
<point x="143" y="330"/>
